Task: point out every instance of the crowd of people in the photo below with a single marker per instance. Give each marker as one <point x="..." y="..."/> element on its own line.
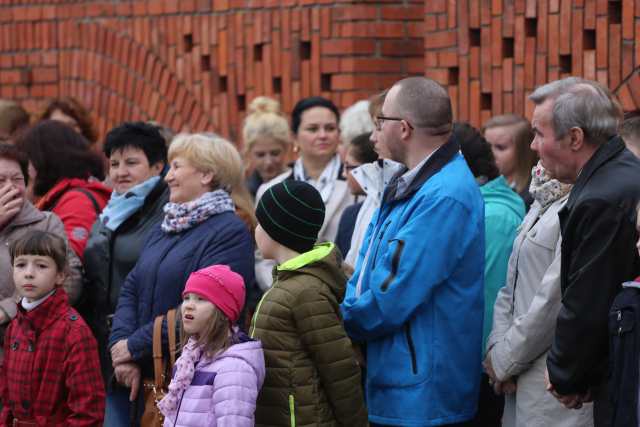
<point x="386" y="266"/>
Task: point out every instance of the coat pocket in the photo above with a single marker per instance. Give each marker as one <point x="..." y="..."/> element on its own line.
<point x="395" y="264"/>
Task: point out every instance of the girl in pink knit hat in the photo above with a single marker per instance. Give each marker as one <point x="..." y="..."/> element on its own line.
<point x="220" y="371"/>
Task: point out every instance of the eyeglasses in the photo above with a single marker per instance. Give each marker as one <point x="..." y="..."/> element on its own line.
<point x="379" y="119"/>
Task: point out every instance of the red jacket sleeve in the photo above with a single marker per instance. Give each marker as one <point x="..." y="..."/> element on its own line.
<point x="78" y="214"/>
<point x="86" y="395"/>
<point x="4" y="391"/>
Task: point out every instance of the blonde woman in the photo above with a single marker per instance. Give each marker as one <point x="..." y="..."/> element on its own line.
<point x="200" y="228"/>
<point x="267" y="140"/>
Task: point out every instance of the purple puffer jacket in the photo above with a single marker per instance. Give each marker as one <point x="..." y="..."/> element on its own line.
<point x="224" y="389"/>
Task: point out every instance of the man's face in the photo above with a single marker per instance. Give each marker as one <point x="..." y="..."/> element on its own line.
<point x="389" y="134"/>
<point x="555" y="154"/>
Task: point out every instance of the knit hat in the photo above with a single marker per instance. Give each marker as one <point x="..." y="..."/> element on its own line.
<point x="220" y="286"/>
<point x="291" y="213"/>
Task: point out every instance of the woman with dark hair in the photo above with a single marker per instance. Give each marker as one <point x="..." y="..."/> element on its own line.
<point x="503" y="213"/>
<point x="17" y="217"/>
<point x="510" y="137"/>
<point x="71" y="112"/>
<point x="315" y="126"/>
<point x="137" y="155"/>
<point x="66" y="175"/>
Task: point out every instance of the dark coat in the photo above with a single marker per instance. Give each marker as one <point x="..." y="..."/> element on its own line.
<point x="346" y="226"/>
<point x="598" y="255"/>
<point x="155" y="284"/>
<point x="108" y="259"/>
<point x="50" y="373"/>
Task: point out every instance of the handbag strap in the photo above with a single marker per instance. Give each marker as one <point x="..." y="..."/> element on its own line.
<point x="157" y="352"/>
<point x="171" y="333"/>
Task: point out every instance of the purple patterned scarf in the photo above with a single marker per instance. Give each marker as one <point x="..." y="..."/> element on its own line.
<point x="183" y="216"/>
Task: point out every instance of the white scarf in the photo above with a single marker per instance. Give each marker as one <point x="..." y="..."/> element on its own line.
<point x="327" y="180"/>
<point x="33" y="304"/>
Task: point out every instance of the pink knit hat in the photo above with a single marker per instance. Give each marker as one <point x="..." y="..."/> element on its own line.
<point x="221" y="286"/>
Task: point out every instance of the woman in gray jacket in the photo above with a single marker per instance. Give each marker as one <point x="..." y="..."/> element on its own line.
<point x="525" y="314"/>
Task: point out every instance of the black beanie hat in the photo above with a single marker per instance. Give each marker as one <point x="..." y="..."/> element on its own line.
<point x="291" y="213"/>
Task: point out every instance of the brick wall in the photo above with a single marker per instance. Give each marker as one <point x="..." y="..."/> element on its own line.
<point x="197" y="64"/>
<point x="492" y="53"/>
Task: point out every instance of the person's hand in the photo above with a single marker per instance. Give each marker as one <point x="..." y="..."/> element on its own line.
<point x="120" y="353"/>
<point x="128" y="374"/>
<point x="488" y="368"/>
<point x="10" y="203"/>
<point x="570" y="401"/>
<point x="505" y="387"/>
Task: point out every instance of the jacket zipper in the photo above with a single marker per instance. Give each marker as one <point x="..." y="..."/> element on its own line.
<point x="380" y="235"/>
<point x="395" y="264"/>
<point x="412" y="349"/>
<point x="292" y="410"/>
<point x="178" y="410"/>
<point x="255" y="315"/>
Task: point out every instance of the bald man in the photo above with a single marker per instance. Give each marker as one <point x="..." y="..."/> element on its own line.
<point x="416" y="296"/>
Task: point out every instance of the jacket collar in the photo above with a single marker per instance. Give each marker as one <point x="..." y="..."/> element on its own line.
<point x="27" y="215"/>
<point x="602" y="155"/>
<point x="437" y="161"/>
<point x="45" y="314"/>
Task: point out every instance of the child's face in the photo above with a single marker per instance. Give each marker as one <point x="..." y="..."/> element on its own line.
<point x="197" y="313"/>
<point x="265" y="243"/>
<point x="35" y="276"/>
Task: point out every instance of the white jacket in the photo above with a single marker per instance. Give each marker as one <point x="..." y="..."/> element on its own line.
<point x="524" y="320"/>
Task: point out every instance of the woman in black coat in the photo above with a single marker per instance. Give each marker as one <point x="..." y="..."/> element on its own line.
<point x="137" y="157"/>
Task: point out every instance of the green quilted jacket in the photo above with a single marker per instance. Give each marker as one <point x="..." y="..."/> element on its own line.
<point x="312" y="376"/>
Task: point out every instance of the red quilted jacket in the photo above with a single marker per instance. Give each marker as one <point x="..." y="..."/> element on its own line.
<point x="51" y="373"/>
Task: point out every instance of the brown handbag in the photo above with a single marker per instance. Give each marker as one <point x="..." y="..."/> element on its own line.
<point x="156" y="388"/>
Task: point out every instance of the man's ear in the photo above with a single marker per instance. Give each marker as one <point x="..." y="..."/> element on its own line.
<point x="576" y="138"/>
<point x="405" y="129"/>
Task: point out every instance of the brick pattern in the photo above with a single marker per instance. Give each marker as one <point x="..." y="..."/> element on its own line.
<point x="196" y="64"/>
<point x="491" y="54"/>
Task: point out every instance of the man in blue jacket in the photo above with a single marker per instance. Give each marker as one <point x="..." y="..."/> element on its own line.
<point x="416" y="296"/>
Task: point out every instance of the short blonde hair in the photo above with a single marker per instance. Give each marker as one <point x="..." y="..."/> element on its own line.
<point x="212" y="153"/>
<point x="265" y="120"/>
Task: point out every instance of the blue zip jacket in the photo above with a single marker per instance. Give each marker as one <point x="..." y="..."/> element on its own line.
<point x="421" y="303"/>
<point x="155" y="284"/>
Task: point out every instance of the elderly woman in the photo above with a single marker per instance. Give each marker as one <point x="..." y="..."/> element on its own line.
<point x="267" y="140"/>
<point x="314" y="122"/>
<point x="17" y="217"/>
<point x="200" y="228"/>
<point x="65" y="181"/>
<point x="525" y="312"/>
<point x="137" y="157"/>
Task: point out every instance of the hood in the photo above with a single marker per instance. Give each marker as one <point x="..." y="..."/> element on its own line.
<point x="323" y="262"/>
<point x="498" y="192"/>
<point x="374" y="177"/>
<point x="251" y="352"/>
<point x="100" y="191"/>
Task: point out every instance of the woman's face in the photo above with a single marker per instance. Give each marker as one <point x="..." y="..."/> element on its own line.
<point x="186" y="183"/>
<point x="318" y="136"/>
<point x="12" y="185"/>
<point x="350" y="163"/>
<point x="60" y="116"/>
<point x="129" y="167"/>
<point x="504" y="149"/>
<point x="267" y="157"/>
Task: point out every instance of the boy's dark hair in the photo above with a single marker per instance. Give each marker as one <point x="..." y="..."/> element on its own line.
<point x="12" y="153"/>
<point x="476" y="151"/>
<point x="140" y="135"/>
<point x="56" y="152"/>
<point x="362" y="150"/>
<point x="308" y="103"/>
<point x="41" y="243"/>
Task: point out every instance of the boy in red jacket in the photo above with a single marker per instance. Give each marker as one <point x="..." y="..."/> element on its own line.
<point x="50" y="373"/>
